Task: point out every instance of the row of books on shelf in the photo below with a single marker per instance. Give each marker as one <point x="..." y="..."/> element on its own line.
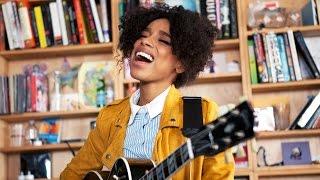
<point x="86" y="86"/>
<point x="281" y="58"/>
<point x="276" y="116"/>
<point x="221" y="13"/>
<point x="309" y="116"/>
<point x="59" y="22"/>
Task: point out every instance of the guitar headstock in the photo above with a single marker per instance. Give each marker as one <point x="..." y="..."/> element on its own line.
<point x="226" y="131"/>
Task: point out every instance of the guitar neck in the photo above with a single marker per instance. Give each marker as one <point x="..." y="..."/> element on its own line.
<point x="171" y="164"/>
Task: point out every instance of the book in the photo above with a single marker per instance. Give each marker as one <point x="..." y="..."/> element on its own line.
<point x="24" y="15"/>
<point x="305" y="70"/>
<point x="294" y="123"/>
<point x="306" y="54"/>
<point x="312" y="45"/>
<point x="105" y="20"/>
<point x="55" y="23"/>
<point x="208" y="9"/>
<point x="283" y="58"/>
<point x="65" y="6"/>
<point x="308" y="14"/>
<point x="233" y="19"/>
<point x="253" y="65"/>
<point x="289" y="57"/>
<point x="313" y="120"/>
<point x="294" y="153"/>
<point x="40" y="26"/>
<point x="62" y="23"/>
<point x="2" y="32"/>
<point x="96" y="20"/>
<point x="50" y="130"/>
<point x="260" y="57"/>
<point x="80" y="22"/>
<point x="294" y="55"/>
<point x="309" y="111"/>
<point x="47" y="22"/>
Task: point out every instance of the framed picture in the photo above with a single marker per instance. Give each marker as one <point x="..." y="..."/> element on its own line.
<point x="295" y="153"/>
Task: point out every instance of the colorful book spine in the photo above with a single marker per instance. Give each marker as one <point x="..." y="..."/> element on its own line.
<point x="62" y="23"/>
<point x="289" y="57"/>
<point x="105" y="21"/>
<point x="92" y="31"/>
<point x="28" y="36"/>
<point x="294" y="55"/>
<point x="252" y="63"/>
<point x="80" y="22"/>
<point x="269" y="40"/>
<point x="261" y="60"/>
<point x="96" y="20"/>
<point x="40" y="26"/>
<point x="55" y="23"/>
<point x="283" y="58"/>
<point x="276" y="56"/>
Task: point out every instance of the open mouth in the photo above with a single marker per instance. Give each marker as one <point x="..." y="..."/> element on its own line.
<point x="142" y="56"/>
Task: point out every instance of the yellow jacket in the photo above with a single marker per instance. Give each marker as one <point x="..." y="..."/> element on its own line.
<point x="105" y="143"/>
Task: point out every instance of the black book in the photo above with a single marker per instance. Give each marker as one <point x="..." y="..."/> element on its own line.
<point x="34" y="27"/>
<point x="73" y="24"/>
<point x="301" y="45"/>
<point x="233" y="18"/>
<point x="67" y="19"/>
<point x="47" y="22"/>
<point x="294" y="124"/>
<point x="313" y="119"/>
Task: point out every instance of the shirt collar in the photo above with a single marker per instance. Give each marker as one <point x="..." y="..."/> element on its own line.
<point x="154" y="108"/>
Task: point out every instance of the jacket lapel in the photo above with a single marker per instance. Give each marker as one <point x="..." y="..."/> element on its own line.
<point x="171" y="114"/>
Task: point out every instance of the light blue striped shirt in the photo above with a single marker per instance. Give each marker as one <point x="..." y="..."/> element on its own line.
<point x="143" y="126"/>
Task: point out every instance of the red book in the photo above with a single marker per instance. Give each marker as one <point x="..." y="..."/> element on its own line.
<point x="80" y="22"/>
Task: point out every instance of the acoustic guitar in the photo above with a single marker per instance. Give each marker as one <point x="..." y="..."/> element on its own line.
<point x="226" y="131"/>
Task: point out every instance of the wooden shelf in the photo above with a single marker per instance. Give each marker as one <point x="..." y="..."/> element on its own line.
<point x="294" y="85"/>
<point x="288" y="134"/>
<point x="41" y="115"/>
<point x="48" y="147"/>
<point x="242" y="172"/>
<point x="57" y="51"/>
<point x="306" y="30"/>
<point x="219" y="77"/>
<point x="214" y="77"/>
<point x="291" y="170"/>
<point x="226" y="44"/>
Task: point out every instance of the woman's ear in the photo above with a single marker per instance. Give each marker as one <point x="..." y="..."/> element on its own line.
<point x="179" y="67"/>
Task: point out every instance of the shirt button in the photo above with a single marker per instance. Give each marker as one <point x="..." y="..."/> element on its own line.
<point x="108" y="156"/>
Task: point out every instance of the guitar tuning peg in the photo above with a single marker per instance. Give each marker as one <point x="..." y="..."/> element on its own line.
<point x="236" y="112"/>
<point x="254" y="146"/>
<point x="240" y="134"/>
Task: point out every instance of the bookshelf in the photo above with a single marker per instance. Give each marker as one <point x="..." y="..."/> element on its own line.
<point x="222" y="87"/>
<point x="295" y="91"/>
<point x="47" y="147"/>
<point x="70" y="50"/>
<point x="41" y="115"/>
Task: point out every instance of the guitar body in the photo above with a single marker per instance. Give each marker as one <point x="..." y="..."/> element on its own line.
<point x="124" y="169"/>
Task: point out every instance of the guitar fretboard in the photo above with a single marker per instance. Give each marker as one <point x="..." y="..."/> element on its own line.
<point x="169" y="166"/>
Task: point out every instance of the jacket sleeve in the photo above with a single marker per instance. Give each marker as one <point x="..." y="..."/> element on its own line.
<point x="218" y="166"/>
<point x="89" y="156"/>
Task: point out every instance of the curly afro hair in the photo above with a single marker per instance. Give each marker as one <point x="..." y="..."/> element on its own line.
<point x="192" y="36"/>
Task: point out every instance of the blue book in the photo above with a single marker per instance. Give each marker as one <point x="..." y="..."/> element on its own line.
<point x="283" y="58"/>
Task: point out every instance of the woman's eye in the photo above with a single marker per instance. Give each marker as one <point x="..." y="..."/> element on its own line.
<point x="165" y="42"/>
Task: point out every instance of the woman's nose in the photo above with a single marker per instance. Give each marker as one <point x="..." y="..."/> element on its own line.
<point x="147" y="41"/>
